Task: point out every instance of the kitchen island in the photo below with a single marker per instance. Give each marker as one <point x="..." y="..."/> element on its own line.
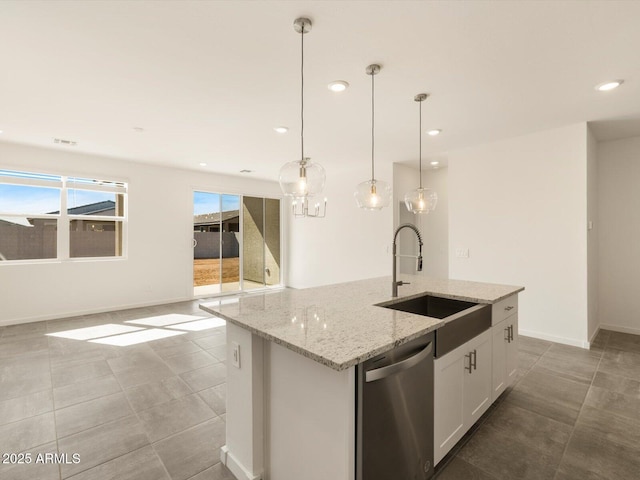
<point x="291" y="378"/>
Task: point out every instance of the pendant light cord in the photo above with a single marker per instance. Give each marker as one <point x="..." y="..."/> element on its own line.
<point x="373" y="118"/>
<point x="302" y="94"/>
<point x="420" y="136"/>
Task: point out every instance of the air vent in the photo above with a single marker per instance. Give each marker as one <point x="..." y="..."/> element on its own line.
<point x="69" y="143"/>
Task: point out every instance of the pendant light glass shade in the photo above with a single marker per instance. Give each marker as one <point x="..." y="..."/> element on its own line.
<point x="302" y="179"/>
<point x="373" y="194"/>
<point x="421" y="200"/>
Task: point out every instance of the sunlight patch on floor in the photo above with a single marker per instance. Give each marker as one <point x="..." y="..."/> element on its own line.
<point x="200" y="324"/>
<point x="164" y="320"/>
<point x="137" y="337"/>
<point x="95" y="332"/>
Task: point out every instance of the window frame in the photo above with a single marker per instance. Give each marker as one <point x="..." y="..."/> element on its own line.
<point x="65" y="183"/>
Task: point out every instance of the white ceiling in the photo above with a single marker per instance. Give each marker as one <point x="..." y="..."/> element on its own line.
<point x="208" y="81"/>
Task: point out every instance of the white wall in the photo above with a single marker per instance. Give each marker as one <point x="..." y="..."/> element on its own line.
<point x="158" y="268"/>
<point x="434" y="226"/>
<point x="593" y="230"/>
<point x="619" y="234"/>
<point x="520" y="207"/>
<point x="349" y="243"/>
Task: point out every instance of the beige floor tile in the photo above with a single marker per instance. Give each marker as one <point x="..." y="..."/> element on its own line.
<point x="92" y="413"/>
<point x="170" y="418"/>
<point x="190" y="361"/>
<point x="205" y="377"/>
<point x="155" y="393"/>
<point x="30" y="432"/>
<point x="103" y="443"/>
<point x="27" y="406"/>
<point x="85" y="390"/>
<point x="141" y="464"/>
<point x="192" y="451"/>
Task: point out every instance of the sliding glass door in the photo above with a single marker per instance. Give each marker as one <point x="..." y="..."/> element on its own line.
<point x="216" y="243"/>
<point x="236" y="243"/>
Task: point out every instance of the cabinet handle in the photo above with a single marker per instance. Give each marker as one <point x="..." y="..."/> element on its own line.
<point x="509" y="308"/>
<point x="475" y="358"/>
<point x="470" y="363"/>
<point x="510" y="333"/>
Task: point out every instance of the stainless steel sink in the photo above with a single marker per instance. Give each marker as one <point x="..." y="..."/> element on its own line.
<point x="429" y="306"/>
<point x="463" y="320"/>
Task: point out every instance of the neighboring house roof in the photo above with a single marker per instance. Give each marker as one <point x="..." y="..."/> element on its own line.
<point x="22" y="221"/>
<point x="209" y="218"/>
<point x="90" y="209"/>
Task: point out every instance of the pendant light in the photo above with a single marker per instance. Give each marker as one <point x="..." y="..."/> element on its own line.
<point x="373" y="194"/>
<point x="302" y="179"/>
<point x="421" y="200"/>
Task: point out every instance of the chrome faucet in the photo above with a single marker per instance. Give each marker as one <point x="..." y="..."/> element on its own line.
<point x="395" y="284"/>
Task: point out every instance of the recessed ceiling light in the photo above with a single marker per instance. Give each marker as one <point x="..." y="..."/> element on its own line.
<point x="281" y="129"/>
<point x="434" y="132"/>
<point x="202" y="164"/>
<point x="0" y="131"/>
<point x="434" y="163"/>
<point x="605" y="87"/>
<point x="338" y="86"/>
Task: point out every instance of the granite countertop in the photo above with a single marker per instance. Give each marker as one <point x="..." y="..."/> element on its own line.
<point x="340" y="325"/>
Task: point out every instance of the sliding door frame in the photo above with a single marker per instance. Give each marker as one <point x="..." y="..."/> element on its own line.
<point x="241" y="290"/>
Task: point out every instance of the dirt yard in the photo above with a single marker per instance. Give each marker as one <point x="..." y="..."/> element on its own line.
<point x="207" y="271"/>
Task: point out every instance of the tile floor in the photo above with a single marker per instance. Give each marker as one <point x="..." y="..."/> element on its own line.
<point x="572" y="414"/>
<point x="156" y="409"/>
<point x="151" y="410"/>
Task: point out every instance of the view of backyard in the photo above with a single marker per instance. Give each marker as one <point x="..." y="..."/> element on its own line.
<point x="206" y="271"/>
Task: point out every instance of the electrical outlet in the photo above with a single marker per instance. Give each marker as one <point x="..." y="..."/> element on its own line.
<point x="235" y="354"/>
<point x="462" y="252"/>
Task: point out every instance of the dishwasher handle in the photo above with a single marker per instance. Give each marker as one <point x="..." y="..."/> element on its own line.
<point x="384" y="372"/>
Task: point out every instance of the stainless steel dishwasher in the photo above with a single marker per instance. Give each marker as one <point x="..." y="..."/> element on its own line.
<point x="394" y="437"/>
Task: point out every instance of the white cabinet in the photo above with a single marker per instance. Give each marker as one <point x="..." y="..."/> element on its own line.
<point x="505" y="354"/>
<point x="462" y="380"/>
<point x="477" y="378"/>
<point x="503" y="309"/>
<point x="448" y="405"/>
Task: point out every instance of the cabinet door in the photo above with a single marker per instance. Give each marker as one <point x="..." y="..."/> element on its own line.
<point x="512" y="350"/>
<point x="448" y="426"/>
<point x="477" y="383"/>
<point x="500" y="334"/>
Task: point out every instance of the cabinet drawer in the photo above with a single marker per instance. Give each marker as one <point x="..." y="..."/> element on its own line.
<point x="503" y="309"/>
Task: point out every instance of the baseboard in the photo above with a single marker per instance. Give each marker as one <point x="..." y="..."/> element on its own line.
<point x="232" y="463"/>
<point x="78" y="313"/>
<point x="552" y="338"/>
<point x="618" y="328"/>
<point x="595" y="334"/>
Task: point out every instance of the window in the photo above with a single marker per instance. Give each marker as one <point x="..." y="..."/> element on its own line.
<point x="58" y="217"/>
